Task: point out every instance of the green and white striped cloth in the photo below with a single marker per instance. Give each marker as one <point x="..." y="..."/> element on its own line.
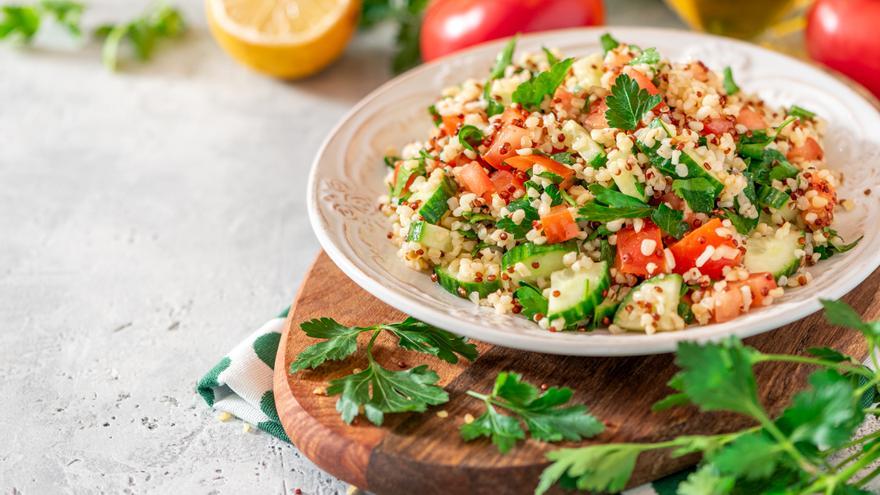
<point x="241" y="385"/>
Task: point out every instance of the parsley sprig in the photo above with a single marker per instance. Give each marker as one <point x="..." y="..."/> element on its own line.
<point x="22" y="22"/>
<point x="376" y="389"/>
<point x="799" y="452"/>
<point x="627" y="103"/>
<point x="545" y="414"/>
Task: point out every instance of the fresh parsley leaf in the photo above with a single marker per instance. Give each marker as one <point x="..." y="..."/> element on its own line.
<point x="492" y="106"/>
<point x="142" y="33"/>
<point x="530" y="94"/>
<point x="531" y="300"/>
<point x="594" y="212"/>
<point x="615" y="199"/>
<point x="380" y="391"/>
<point x="670" y="221"/>
<point x="705" y="481"/>
<point x="545" y="414"/>
<point x="598" y="468"/>
<point x="842" y="314"/>
<point x="503" y="430"/>
<point x="752" y="456"/>
<point x="415" y="335"/>
<point x="341" y="342"/>
<point x="555" y="194"/>
<point x="742" y="224"/>
<point x="436" y="118"/>
<point x="551" y="59"/>
<point x="554" y="178"/>
<point x="408" y="16"/>
<point x="467" y="234"/>
<point x="565" y="157"/>
<point x="698" y="192"/>
<point x="22" y="22"/>
<point x="567" y="197"/>
<point x="390" y="160"/>
<point x="469" y="136"/>
<point x="519" y="230"/>
<point x="730" y="86"/>
<point x="504" y="59"/>
<point x="472" y="217"/>
<point x="826" y="415"/>
<point x="606" y="251"/>
<point x="627" y="103"/>
<point x="801" y="113"/>
<point x="649" y="56"/>
<point x="718" y="376"/>
<point x="608" y="42"/>
<point x="828" y="250"/>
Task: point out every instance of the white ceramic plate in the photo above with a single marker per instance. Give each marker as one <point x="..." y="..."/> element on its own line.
<point x="346" y="180"/>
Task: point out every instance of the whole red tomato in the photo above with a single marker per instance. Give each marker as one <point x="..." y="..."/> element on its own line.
<point x="451" y="25"/>
<point x="843" y="34"/>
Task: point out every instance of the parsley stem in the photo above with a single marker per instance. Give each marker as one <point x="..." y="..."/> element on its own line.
<point x="868" y="477"/>
<point x="857" y="441"/>
<point x="841" y="367"/>
<point x="783" y="441"/>
<point x="376" y="331"/>
<point x="477" y="395"/>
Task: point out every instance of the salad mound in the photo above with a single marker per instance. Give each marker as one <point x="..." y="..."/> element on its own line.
<point x="616" y="190"/>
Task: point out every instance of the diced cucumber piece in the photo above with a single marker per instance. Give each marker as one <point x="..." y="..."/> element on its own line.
<point x="408" y="170"/>
<point x="603" y="315"/>
<point x="628" y="184"/>
<point x="588" y="71"/>
<point x="429" y="235"/>
<point x="574" y="294"/>
<point x="434" y="200"/>
<point x="774" y="254"/>
<point x="541" y="260"/>
<point x="665" y="165"/>
<point x="462" y="288"/>
<point x="579" y="139"/>
<point x="656" y="297"/>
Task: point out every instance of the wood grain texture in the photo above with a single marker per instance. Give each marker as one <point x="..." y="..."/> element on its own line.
<point x="422" y="453"/>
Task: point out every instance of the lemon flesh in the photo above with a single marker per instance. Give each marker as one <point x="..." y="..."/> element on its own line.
<point x="283" y="38"/>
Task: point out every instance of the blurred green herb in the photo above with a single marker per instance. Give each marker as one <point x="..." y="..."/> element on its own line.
<point x="20" y="23"/>
<point x="407" y="15"/>
<point x="142" y="33"/>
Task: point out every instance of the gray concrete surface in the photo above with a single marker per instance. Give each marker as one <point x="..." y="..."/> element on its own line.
<point x="148" y="221"/>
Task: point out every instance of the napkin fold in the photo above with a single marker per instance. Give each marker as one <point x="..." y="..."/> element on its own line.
<point x="241" y="384"/>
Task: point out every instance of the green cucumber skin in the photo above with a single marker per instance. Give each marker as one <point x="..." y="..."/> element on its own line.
<point x="452" y="284"/>
<point x="416" y="232"/>
<point x="606" y="309"/>
<point x="665" y="165"/>
<point x="526" y="251"/>
<point x="430" y="235"/>
<point x="584" y="310"/>
<point x="786" y="270"/>
<point x="403" y="177"/>
<point x="435" y="206"/>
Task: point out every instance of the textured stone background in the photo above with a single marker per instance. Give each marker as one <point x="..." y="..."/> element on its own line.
<point x="148" y="221"/>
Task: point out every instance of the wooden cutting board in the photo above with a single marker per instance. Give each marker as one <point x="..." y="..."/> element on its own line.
<point x="423" y="454"/>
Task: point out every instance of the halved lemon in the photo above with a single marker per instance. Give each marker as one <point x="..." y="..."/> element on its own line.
<point x="283" y="38"/>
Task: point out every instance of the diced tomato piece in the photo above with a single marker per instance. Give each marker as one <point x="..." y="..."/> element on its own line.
<point x="760" y="284"/>
<point x="559" y="225"/>
<point x="630" y="257"/>
<point x="642" y="80"/>
<point x="808" y="151"/>
<point x="752" y="119"/>
<point x="689" y="250"/>
<point x="727" y="303"/>
<point x="451" y="124"/>
<point x="506" y="182"/>
<point x="508" y="140"/>
<point x="475" y="179"/>
<point x="525" y="162"/>
<point x="717" y="126"/>
<point x="596" y="118"/>
<point x="513" y="116"/>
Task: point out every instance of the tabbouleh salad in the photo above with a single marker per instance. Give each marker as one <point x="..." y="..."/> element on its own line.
<point x="617" y="190"/>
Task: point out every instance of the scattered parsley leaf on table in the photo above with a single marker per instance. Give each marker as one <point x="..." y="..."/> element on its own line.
<point x="377" y="389"/>
<point x="160" y="22"/>
<point x="627" y="103"/>
<point x="545" y="414"/>
<point x="530" y="94"/>
<point x="22" y="22"/>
